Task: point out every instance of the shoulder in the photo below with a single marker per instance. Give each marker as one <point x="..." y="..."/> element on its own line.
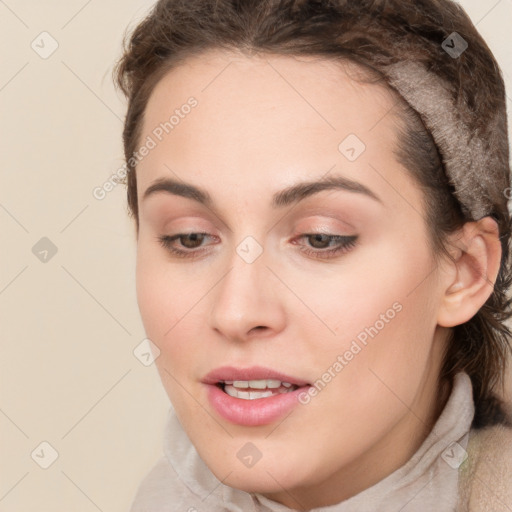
<point x="485" y="477"/>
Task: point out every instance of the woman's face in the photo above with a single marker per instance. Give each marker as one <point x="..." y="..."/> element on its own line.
<point x="356" y="330"/>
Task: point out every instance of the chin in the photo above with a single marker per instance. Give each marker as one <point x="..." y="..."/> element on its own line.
<point x="268" y="476"/>
<point x="249" y="480"/>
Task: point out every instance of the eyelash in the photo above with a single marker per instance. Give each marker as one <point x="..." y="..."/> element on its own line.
<point x="345" y="244"/>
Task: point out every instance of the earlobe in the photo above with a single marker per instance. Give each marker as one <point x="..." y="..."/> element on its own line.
<point x="475" y="269"/>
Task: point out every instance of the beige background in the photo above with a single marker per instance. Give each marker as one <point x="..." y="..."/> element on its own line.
<point x="69" y="325"/>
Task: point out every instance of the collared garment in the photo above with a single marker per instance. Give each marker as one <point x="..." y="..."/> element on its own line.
<point x="439" y="476"/>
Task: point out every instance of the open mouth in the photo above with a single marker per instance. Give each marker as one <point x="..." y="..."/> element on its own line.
<point x="255" y="389"/>
<point x="253" y="396"/>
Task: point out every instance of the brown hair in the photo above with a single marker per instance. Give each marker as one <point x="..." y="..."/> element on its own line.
<point x="373" y="34"/>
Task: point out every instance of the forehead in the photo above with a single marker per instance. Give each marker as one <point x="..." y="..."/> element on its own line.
<point x="264" y="118"/>
<point x="309" y="83"/>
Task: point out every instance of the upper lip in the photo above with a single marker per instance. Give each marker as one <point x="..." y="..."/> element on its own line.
<point x="232" y="373"/>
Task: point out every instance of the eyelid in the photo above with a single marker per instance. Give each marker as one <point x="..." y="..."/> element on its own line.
<point x="319" y="214"/>
<point x="345" y="243"/>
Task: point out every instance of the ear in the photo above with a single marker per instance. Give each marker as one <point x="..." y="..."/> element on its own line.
<point x="469" y="280"/>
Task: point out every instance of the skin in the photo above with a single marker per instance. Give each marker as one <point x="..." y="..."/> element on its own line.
<point x="261" y="124"/>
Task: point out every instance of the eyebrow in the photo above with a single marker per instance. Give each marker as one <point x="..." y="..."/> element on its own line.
<point x="285" y="197"/>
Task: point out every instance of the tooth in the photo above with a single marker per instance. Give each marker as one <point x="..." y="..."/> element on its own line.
<point x="259" y="394"/>
<point x="231" y="391"/>
<point x="258" y="384"/>
<point x="247" y="395"/>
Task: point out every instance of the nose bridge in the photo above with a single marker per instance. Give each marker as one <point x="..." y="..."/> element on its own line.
<point x="246" y="281"/>
<point x="246" y="296"/>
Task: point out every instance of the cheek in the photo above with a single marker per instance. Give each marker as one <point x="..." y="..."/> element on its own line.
<point x="385" y="274"/>
<point x="151" y="294"/>
<point x="159" y="291"/>
<point x="395" y="349"/>
<point x="160" y="312"/>
<point x="382" y="308"/>
<point x="169" y="306"/>
<point x="156" y="296"/>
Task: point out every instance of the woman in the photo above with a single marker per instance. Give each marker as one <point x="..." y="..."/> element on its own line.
<point x="319" y="192"/>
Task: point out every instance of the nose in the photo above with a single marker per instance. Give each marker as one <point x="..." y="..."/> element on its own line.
<point x="248" y="300"/>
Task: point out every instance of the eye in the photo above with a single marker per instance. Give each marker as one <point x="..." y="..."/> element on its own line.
<point x="167" y="242"/>
<point x="192" y="241"/>
<point x="343" y="244"/>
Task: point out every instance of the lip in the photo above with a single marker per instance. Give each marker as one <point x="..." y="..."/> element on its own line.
<point x="253" y="373"/>
<point x="251" y="413"/>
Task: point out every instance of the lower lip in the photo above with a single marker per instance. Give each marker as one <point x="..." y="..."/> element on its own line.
<point x="251" y="413"/>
